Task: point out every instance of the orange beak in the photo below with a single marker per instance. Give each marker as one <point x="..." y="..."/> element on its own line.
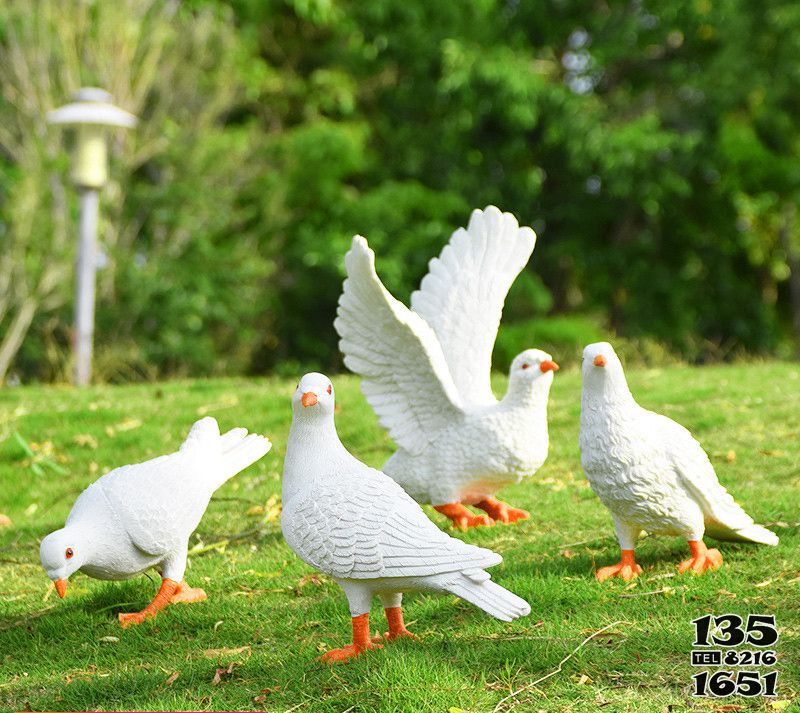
<point x="309" y="398"/>
<point x="549" y="365"/>
<point x="61" y="587"/>
<point x="599" y="360"/>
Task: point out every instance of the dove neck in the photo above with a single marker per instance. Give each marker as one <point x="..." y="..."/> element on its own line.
<point x="313" y="446"/>
<point x="528" y="396"/>
<point x="609" y="392"/>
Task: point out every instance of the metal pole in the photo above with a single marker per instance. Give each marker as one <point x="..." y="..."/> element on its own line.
<point x="84" y="285"/>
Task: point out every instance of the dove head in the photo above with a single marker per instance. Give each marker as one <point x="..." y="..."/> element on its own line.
<point x="62" y="553"/>
<point x="602" y="372"/>
<point x="531" y="371"/>
<point x="313" y="398"/>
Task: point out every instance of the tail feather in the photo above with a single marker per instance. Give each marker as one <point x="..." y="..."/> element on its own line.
<point x="236" y="456"/>
<point x="232" y="438"/>
<point x="491" y="597"/>
<point x="748" y="533"/>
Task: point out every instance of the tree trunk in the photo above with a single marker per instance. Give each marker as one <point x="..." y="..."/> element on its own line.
<point x="793" y="263"/>
<point x="16" y="333"/>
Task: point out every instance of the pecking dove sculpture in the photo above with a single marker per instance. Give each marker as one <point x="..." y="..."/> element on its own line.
<point x="359" y="527"/>
<point x="651" y="473"/>
<point x="426" y="371"/>
<point x="141" y="516"/>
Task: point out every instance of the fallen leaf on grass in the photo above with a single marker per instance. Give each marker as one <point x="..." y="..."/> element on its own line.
<point x="86" y="440"/>
<point x="172" y="678"/>
<point x="780" y="705"/>
<point x="569" y="554"/>
<point x="266" y="692"/>
<point x="109" y="639"/>
<point x="216" y="653"/>
<point x="727" y="708"/>
<point x="581" y="680"/>
<point x="5" y="520"/>
<point x="222" y="672"/>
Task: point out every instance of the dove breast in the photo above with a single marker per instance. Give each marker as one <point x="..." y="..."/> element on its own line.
<point x="626" y="461"/>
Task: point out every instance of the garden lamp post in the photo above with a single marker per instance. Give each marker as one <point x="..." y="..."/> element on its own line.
<point x="91" y="113"/>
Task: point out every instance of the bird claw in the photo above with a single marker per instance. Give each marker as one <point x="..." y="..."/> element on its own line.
<point x="186" y="595"/>
<point x="464" y="522"/>
<point x="392" y="635"/>
<point x="502" y="512"/>
<point x="710" y="559"/>
<point x="131" y="618"/>
<point x="623" y="570"/>
<point x="462" y="518"/>
<point x="348" y="652"/>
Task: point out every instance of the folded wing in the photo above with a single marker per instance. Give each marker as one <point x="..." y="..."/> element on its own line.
<point x="404" y="373"/>
<point x="462" y="295"/>
<point x="725" y="519"/>
<point x="371" y="529"/>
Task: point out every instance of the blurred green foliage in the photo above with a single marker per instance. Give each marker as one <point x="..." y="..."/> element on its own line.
<point x="652" y="146"/>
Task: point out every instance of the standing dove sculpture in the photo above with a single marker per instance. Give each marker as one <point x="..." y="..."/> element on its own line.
<point x="141" y="516"/>
<point x="426" y="371"/>
<point x="359" y="527"/>
<point x="651" y="473"/>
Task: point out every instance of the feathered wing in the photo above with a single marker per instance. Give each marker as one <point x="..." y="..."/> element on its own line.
<point x="462" y="295"/>
<point x="161" y="501"/>
<point x="725" y="519"/>
<point x="371" y="529"/>
<point x="404" y="373"/>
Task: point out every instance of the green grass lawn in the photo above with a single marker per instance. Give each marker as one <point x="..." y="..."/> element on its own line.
<point x="269" y="617"/>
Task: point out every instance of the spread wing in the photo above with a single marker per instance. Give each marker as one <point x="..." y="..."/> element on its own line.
<point x="370" y="529"/>
<point x="404" y="373"/>
<point x="462" y="295"/>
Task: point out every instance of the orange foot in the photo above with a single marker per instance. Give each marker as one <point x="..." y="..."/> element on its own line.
<point x="348" y="652"/>
<point x="501" y="511"/>
<point x="461" y="517"/>
<point x="627" y="569"/>
<point x="133" y="618"/>
<point x="397" y="629"/>
<point x="186" y="594"/>
<point x="702" y="558"/>
<point x="168" y="588"/>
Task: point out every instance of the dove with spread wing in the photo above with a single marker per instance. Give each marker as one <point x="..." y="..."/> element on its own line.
<point x="426" y="371"/>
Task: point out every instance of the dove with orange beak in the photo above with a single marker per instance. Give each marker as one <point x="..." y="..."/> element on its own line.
<point x="141" y="516"/>
<point x="359" y="527"/>
<point x="652" y="474"/>
<point x="426" y="371"/>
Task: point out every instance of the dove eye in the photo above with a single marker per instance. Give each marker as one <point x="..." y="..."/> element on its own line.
<point x="330" y="389"/>
<point x="526" y="365"/>
<point x="68" y="554"/>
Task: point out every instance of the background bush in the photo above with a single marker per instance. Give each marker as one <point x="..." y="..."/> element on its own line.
<point x="652" y="146"/>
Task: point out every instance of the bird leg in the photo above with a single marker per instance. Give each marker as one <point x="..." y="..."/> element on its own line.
<point x="361" y="642"/>
<point x="498" y="510"/>
<point x="397" y="628"/>
<point x="165" y="593"/>
<point x="186" y="594"/>
<point x="627" y="568"/>
<point x="702" y="558"/>
<point x="461" y="517"/>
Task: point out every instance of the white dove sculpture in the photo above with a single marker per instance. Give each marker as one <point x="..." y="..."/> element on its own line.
<point x="651" y="473"/>
<point x="141" y="516"/>
<point x="359" y="527"/>
<point x="426" y="371"/>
